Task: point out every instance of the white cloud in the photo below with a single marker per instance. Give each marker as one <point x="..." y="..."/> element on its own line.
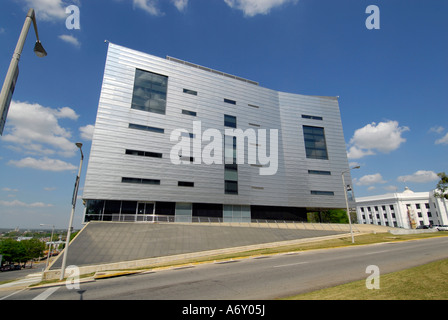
<point x="180" y="4"/>
<point x="17" y="203"/>
<point x="383" y="137"/>
<point x="70" y="39"/>
<point x="443" y="140"/>
<point x="355" y="153"/>
<point x="45" y="164"/>
<point x="87" y="132"/>
<point x="48" y="9"/>
<point x="148" y="6"/>
<point x="420" y="176"/>
<point x="35" y="129"/>
<point x="369" y="179"/>
<point x="10" y="190"/>
<point x="437" y="129"/>
<point x="251" y="8"/>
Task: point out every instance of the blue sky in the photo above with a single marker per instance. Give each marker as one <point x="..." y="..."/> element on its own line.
<point x="391" y="81"/>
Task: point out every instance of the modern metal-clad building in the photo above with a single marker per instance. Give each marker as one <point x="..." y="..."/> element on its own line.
<point x="177" y="139"/>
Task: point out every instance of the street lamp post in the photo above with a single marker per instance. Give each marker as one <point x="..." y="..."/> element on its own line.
<point x="13" y="71"/>
<point x="346" y="201"/>
<point x="51" y="240"/>
<point x="75" y="195"/>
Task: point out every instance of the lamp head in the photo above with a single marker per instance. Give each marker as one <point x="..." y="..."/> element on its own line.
<point x="39" y="50"/>
<point x="78" y="144"/>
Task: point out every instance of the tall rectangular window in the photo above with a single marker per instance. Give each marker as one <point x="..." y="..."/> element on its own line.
<point x="230" y="166"/>
<point x="149" y="92"/>
<point x="229" y="121"/>
<point x="315" y="145"/>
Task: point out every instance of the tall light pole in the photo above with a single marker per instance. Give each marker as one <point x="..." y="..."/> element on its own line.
<point x="13" y="71"/>
<point x="69" y="230"/>
<point x="346" y="201"/>
<point x="51" y="240"/>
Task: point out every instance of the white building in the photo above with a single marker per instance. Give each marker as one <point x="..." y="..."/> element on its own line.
<point x="404" y="210"/>
<point x="145" y="100"/>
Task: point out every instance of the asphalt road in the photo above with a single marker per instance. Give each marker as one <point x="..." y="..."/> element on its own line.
<point x="265" y="277"/>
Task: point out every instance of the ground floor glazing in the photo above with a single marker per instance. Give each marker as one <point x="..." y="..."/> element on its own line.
<point x="153" y="211"/>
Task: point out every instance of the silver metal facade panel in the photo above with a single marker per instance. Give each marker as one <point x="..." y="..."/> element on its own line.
<point x="290" y="186"/>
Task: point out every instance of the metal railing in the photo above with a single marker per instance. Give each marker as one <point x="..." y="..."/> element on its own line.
<point x="246" y="222"/>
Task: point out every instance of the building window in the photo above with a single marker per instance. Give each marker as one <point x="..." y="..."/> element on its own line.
<point x="192" y="92"/>
<point x="229" y="121"/>
<point x="315" y="145"/>
<point x="230" y="166"/>
<point x="322" y="193"/>
<point x="229" y="101"/>
<point x="140" y="181"/>
<point x="185" y="184"/>
<point x="236" y="213"/>
<point x="149" y="92"/>
<point x="146" y="128"/>
<point x="143" y="153"/>
<point x="305" y="116"/>
<point x="253" y="106"/>
<point x="231" y="187"/>
<point x="189" y="113"/>
<point x="320" y="172"/>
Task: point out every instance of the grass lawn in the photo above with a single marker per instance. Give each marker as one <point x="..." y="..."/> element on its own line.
<point x="426" y="282"/>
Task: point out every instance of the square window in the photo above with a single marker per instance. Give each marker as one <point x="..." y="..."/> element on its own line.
<point x="149" y="92"/>
<point x="231" y="187"/>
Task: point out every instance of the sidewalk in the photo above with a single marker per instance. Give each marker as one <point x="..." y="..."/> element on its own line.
<point x="24" y="282"/>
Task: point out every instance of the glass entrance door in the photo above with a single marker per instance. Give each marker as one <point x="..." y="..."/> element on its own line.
<point x="143" y="210"/>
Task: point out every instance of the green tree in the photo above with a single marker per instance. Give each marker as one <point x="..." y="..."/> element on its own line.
<point x="14" y="251"/>
<point x="442" y="186"/>
<point x="31" y="249"/>
<point x="10" y="250"/>
<point x="328" y="216"/>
